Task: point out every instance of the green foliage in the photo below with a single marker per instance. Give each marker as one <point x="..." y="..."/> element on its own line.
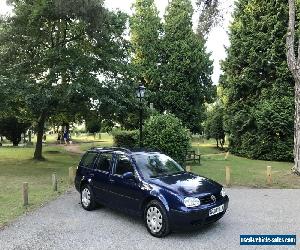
<point x="209" y="16"/>
<point x="167" y="134"/>
<point x="214" y="125"/>
<point x="12" y="129"/>
<point x="93" y="126"/>
<point x="145" y="30"/>
<point x="56" y="51"/>
<point x="93" y="122"/>
<point x="170" y="59"/>
<point x="257" y="88"/>
<point x="186" y="67"/>
<point x="125" y="138"/>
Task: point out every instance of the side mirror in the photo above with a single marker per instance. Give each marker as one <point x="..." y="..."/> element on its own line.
<point x="128" y="176"/>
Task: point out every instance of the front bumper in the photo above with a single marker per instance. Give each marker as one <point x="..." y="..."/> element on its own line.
<point x="193" y="218"/>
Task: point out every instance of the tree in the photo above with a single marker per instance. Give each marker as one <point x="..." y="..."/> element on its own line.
<point x="12" y="129"/>
<point x="294" y="66"/>
<point x="166" y="133"/>
<point x="57" y="50"/>
<point x="93" y="123"/>
<point x="146" y="29"/>
<point x="209" y="16"/>
<point x="14" y="119"/>
<point x="186" y="80"/>
<point x="257" y="86"/>
<point x="214" y="125"/>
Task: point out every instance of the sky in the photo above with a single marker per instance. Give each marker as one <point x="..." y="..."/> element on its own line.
<point x="217" y="39"/>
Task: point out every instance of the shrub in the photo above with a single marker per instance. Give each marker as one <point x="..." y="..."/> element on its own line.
<point x="125" y="138"/>
<point x="167" y="134"/>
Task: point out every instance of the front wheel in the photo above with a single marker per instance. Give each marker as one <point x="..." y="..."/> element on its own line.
<point x="156" y="219"/>
<point x="87" y="198"/>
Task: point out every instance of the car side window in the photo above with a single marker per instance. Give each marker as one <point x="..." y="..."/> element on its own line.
<point x="88" y="159"/>
<point x="123" y="165"/>
<point x="104" y="162"/>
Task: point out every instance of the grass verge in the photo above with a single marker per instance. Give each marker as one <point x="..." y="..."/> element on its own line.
<point x="17" y="166"/>
<point x="245" y="172"/>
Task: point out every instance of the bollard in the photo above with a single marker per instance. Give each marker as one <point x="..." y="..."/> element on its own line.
<point x="188" y="168"/>
<point x="227" y="176"/>
<point x="269" y="175"/>
<point x="71" y="175"/>
<point x="25" y="193"/>
<point x="54" y="182"/>
<point x="226" y="156"/>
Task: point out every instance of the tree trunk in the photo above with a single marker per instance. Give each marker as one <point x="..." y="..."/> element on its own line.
<point x="29" y="136"/>
<point x="222" y="141"/>
<point x="16" y="141"/>
<point x="39" y="141"/>
<point x="296" y="168"/>
<point x="293" y="61"/>
<point x="217" y="143"/>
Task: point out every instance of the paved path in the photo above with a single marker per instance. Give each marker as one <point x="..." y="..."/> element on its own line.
<point x="63" y="224"/>
<point x="73" y="148"/>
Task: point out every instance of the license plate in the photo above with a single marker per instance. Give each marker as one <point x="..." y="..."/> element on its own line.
<point x="216" y="210"/>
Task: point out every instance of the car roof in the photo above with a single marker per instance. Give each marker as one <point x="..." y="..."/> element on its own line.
<point x="120" y="150"/>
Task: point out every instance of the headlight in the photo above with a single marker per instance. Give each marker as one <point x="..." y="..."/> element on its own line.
<point x="223" y="193"/>
<point x="191" y="202"/>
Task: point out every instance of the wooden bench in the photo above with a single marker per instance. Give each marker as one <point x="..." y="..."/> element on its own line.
<point x="191" y="156"/>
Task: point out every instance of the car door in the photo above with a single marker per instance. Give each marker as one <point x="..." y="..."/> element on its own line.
<point x="101" y="180"/>
<point x="126" y="194"/>
<point x="86" y="165"/>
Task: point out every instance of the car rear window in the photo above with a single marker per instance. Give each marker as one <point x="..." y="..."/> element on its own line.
<point x="88" y="159"/>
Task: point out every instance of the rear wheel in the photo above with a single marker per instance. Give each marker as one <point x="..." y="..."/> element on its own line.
<point x="87" y="198"/>
<point x="156" y="219"/>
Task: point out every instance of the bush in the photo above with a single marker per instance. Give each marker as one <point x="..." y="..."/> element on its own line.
<point x="167" y="134"/>
<point x="125" y="138"/>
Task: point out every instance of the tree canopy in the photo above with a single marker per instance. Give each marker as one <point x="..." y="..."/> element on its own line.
<point x="57" y="51"/>
<point x="186" y="81"/>
<point x="257" y="86"/>
<point x="214" y="124"/>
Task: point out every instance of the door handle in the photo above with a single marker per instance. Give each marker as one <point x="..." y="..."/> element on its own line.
<point x="111" y="181"/>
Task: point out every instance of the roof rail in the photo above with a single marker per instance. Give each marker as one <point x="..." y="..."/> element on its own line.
<point x="113" y="148"/>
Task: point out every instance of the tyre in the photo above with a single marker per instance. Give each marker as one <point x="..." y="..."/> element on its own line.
<point x="156" y="219"/>
<point x="87" y="198"/>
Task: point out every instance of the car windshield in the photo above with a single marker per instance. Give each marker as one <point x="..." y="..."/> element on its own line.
<point x="156" y="165"/>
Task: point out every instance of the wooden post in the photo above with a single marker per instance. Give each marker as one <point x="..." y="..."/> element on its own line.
<point x="71" y="175"/>
<point x="227" y="175"/>
<point x="54" y="182"/>
<point x="25" y="193"/>
<point x="226" y="156"/>
<point x="269" y="175"/>
<point x="188" y="168"/>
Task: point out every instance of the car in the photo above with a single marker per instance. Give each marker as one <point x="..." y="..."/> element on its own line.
<point x="151" y="185"/>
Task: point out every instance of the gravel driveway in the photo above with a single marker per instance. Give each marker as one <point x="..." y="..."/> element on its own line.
<point x="63" y="224"/>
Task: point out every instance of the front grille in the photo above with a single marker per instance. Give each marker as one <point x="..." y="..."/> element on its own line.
<point x="208" y="200"/>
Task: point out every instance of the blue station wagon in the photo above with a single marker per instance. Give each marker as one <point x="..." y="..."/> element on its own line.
<point x="151" y="185"/>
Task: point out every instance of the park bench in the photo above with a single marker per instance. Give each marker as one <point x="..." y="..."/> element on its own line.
<point x="191" y="156"/>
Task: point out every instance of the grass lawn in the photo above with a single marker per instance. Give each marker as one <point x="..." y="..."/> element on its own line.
<point x="105" y="141"/>
<point x="17" y="166"/>
<point x="244" y="172"/>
